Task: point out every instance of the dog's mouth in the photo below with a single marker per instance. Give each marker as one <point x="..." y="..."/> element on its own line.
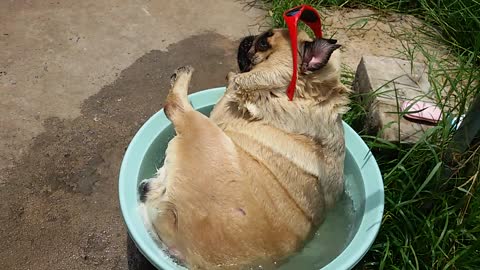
<point x="244" y="62"/>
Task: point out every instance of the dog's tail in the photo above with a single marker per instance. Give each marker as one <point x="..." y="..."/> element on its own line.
<point x="177" y="102"/>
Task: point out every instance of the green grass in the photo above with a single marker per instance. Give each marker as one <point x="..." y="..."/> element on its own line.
<point x="432" y="217"/>
<point x="458" y="20"/>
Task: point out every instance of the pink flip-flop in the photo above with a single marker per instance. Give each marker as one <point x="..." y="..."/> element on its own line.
<point x="421" y="111"/>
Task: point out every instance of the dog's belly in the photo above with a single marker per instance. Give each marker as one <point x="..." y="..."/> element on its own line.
<point x="243" y="203"/>
<point x="254" y="221"/>
<point x="259" y="217"/>
<point x="299" y="187"/>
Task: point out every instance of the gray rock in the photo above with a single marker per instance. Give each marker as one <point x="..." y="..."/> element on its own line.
<point x="386" y="83"/>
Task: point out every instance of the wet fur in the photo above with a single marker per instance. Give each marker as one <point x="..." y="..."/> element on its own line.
<point x="248" y="185"/>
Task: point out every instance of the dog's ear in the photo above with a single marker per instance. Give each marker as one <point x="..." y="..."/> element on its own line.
<point x="317" y="53"/>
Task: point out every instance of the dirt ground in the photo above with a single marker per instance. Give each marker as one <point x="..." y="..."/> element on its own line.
<point x="61" y="209"/>
<point x="73" y="94"/>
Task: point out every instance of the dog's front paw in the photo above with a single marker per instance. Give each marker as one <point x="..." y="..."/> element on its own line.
<point x="185" y="70"/>
<point x="230" y="76"/>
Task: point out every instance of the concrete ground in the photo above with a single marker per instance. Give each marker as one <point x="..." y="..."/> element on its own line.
<point x="77" y="80"/>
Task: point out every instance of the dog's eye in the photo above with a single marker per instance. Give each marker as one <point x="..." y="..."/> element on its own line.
<point x="263" y="45"/>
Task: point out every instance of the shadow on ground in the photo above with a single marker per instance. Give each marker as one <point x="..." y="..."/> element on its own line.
<point x="59" y="205"/>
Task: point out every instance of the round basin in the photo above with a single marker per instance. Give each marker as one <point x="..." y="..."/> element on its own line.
<point x="363" y="187"/>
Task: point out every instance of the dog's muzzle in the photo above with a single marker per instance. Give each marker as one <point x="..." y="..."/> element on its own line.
<point x="243" y="59"/>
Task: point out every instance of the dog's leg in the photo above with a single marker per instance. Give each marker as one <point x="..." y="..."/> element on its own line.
<point x="262" y="78"/>
<point x="177" y="103"/>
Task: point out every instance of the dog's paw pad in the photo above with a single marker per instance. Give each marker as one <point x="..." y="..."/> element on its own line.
<point x="173" y="78"/>
<point x="185" y="70"/>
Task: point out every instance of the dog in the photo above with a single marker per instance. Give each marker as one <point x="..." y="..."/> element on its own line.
<point x="250" y="184"/>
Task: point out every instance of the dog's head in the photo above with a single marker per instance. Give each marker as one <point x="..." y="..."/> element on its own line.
<point x="266" y="65"/>
<point x="259" y="91"/>
<point x="273" y="45"/>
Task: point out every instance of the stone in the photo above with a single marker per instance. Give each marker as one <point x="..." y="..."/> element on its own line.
<point x="384" y="83"/>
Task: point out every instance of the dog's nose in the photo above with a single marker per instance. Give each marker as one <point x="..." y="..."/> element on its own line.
<point x="143" y="189"/>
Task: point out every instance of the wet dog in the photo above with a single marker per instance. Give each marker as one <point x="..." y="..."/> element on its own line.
<point x="249" y="184"/>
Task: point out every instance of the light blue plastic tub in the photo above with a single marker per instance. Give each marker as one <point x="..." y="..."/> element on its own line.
<point x="146" y="153"/>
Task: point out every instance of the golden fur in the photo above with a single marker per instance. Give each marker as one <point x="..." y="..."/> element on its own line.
<point x="248" y="185"/>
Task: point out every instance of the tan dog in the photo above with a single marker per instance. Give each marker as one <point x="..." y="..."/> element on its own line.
<point x="249" y="185"/>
